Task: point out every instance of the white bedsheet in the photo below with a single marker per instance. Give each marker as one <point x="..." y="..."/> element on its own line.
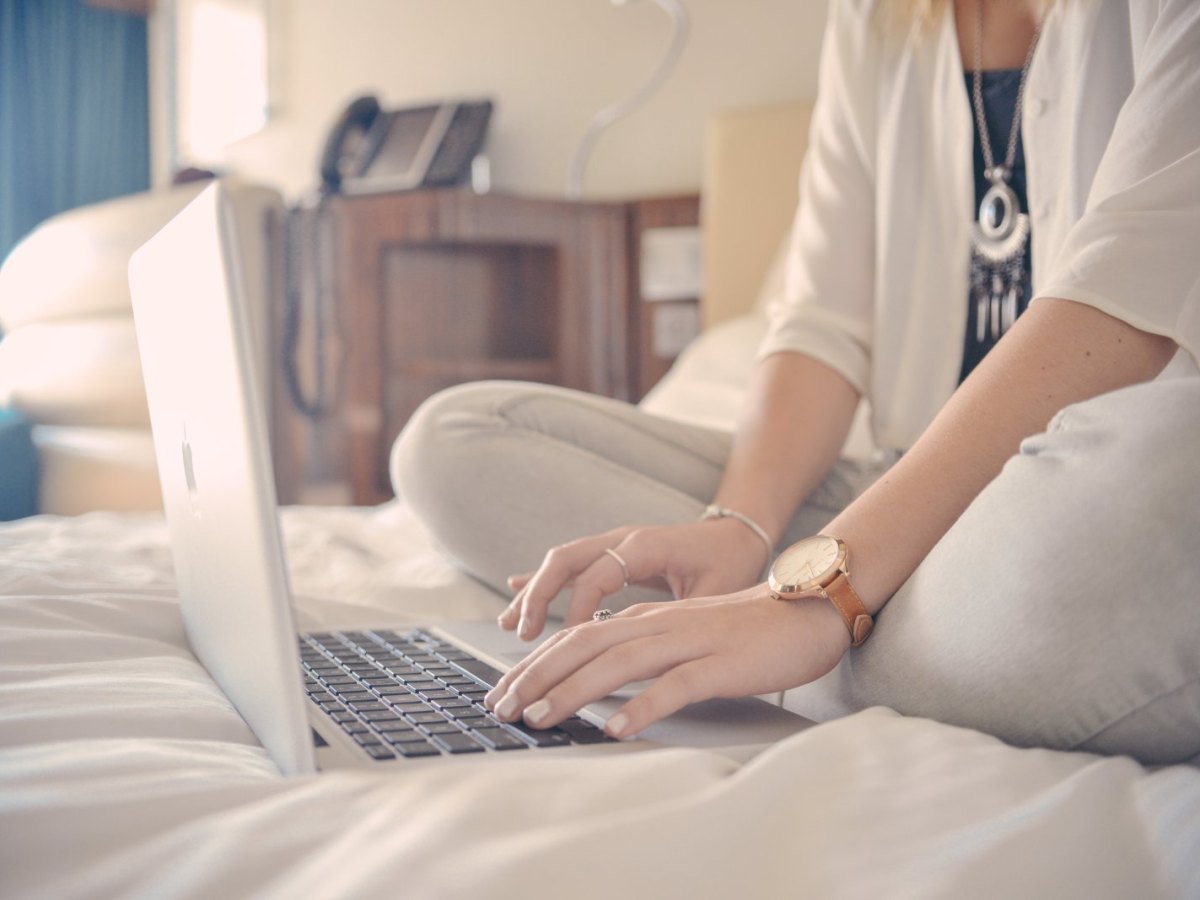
<point x="125" y="772"/>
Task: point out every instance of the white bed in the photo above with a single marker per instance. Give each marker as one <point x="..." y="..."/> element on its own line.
<point x="125" y="772"/>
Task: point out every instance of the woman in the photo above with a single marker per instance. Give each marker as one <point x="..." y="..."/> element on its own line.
<point x="1031" y="558"/>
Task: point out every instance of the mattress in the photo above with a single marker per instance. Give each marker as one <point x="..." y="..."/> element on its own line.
<point x="125" y="772"/>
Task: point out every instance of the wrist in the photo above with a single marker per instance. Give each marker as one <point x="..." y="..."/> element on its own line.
<point x="742" y="543"/>
<point x="715" y="511"/>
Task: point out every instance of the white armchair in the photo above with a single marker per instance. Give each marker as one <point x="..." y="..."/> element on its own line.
<point x="69" y="357"/>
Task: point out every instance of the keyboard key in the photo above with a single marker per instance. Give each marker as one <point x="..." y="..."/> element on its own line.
<point x="441" y="728"/>
<point x="425" y="718"/>
<point x="386" y="715"/>
<point x="405" y="737"/>
<point x="479" y="669"/>
<point x="361" y="706"/>
<point x="393" y="726"/>
<point x="354" y="728"/>
<point x="393" y="690"/>
<point x="379" y="752"/>
<point x="453" y="703"/>
<point x="402" y="671"/>
<point x="424" y="748"/>
<point x="458" y="743"/>
<point x="366" y="739"/>
<point x="548" y="737"/>
<point x="438" y="695"/>
<point x="499" y="739"/>
<point x="475" y="721"/>
<point x="351" y="696"/>
<point x="582" y="732"/>
<point x="414" y="705"/>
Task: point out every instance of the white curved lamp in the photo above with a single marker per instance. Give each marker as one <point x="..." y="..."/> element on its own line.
<point x="610" y="114"/>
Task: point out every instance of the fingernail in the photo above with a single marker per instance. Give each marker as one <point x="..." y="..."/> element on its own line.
<point x="506" y="707"/>
<point x="616" y="725"/>
<point x="536" y="713"/>
<point x="489" y="699"/>
<point x="525" y="628"/>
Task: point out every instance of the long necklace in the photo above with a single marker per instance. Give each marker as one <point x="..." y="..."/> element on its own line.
<point x="1001" y="231"/>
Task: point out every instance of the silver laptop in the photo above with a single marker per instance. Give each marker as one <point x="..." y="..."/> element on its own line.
<point x="396" y="696"/>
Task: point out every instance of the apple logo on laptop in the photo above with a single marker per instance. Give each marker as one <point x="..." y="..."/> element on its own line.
<point x="189" y="475"/>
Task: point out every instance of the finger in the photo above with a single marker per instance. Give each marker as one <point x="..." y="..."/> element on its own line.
<point x="690" y="682"/>
<point x="603" y="577"/>
<point x="561" y="656"/>
<point x="635" y="660"/>
<point x="516" y="582"/>
<point x="502" y="686"/>
<point x="560" y="567"/>
<point x="640" y="559"/>
<point x="512" y="613"/>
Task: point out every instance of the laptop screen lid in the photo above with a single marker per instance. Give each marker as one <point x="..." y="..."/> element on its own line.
<point x="211" y="443"/>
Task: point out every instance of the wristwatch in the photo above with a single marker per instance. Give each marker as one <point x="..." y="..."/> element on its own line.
<point x="819" y="567"/>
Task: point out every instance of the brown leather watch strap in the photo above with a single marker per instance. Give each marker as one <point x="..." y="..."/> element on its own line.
<point x="851" y="608"/>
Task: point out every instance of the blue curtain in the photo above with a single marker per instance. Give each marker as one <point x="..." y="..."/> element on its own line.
<point x="74" y="112"/>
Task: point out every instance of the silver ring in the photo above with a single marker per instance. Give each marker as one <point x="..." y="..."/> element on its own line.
<point x="602" y="615"/>
<point x="620" y="562"/>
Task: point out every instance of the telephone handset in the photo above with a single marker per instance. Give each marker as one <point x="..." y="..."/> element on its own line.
<point x="345" y="141"/>
<point x="371" y="149"/>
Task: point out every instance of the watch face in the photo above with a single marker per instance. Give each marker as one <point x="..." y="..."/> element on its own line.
<point x="806" y="564"/>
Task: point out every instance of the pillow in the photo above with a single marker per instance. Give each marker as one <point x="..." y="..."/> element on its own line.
<point x="75" y="263"/>
<point x="80" y="372"/>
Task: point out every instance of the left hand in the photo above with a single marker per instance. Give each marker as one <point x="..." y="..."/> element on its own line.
<point x="732" y="646"/>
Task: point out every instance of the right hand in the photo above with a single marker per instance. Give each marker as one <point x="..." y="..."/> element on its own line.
<point x="699" y="559"/>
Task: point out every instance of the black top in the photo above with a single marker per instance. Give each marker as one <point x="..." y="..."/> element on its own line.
<point x="999" y="102"/>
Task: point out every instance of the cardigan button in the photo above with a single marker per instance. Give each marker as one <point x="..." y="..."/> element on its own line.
<point x="1037" y="106"/>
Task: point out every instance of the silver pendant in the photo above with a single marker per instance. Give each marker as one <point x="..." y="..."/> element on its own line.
<point x="998" y="239"/>
<point x="1000" y="231"/>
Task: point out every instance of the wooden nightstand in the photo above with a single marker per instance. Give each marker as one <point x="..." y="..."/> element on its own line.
<point x="437" y="288"/>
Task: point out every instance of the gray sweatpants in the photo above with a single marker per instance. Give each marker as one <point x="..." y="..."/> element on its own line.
<point x="1061" y="610"/>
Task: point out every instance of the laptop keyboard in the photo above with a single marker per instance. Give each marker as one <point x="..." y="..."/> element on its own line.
<point x="413" y="695"/>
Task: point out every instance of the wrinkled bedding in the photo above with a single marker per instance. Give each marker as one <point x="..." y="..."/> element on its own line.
<point x="125" y="772"/>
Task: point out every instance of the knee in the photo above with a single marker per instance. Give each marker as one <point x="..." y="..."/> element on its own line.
<point x="1141" y="438"/>
<point x="440" y="445"/>
<point x="1061" y="609"/>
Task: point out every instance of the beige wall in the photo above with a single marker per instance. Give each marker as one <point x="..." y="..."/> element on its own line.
<point x="550" y="65"/>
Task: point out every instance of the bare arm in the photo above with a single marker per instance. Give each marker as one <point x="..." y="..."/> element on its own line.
<point x="1058" y="353"/>
<point x="796" y="420"/>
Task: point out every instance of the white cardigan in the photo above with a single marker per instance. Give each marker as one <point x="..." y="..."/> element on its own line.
<point x="880" y="250"/>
